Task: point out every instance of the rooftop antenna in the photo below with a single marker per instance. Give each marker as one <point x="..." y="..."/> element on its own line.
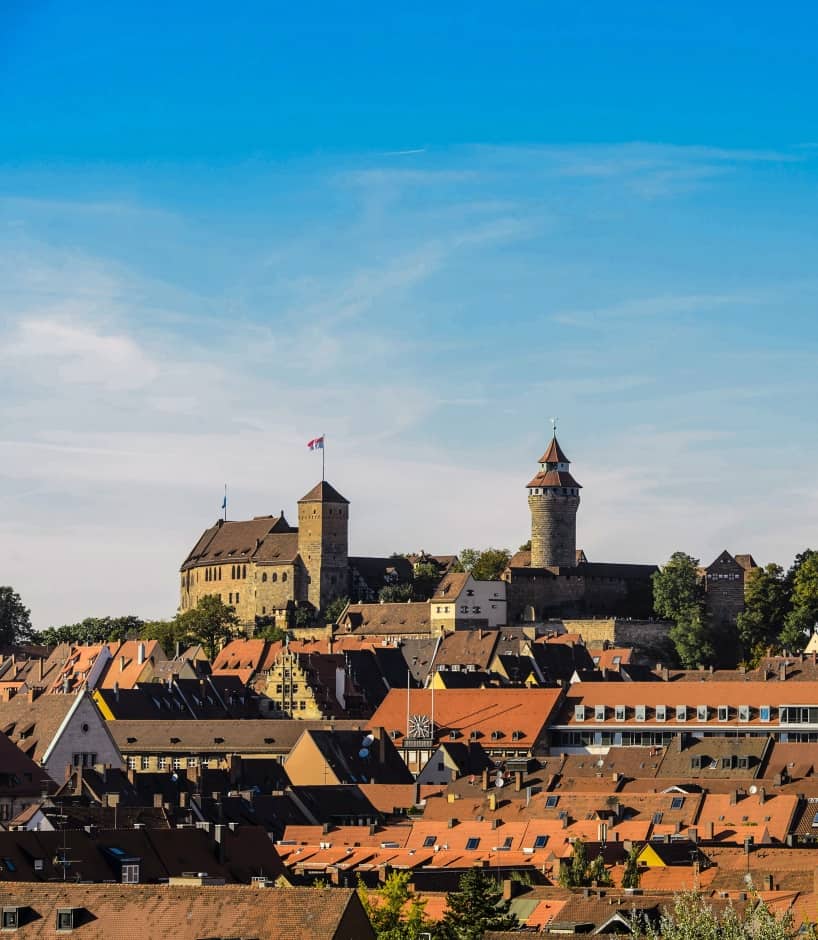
<point x="554" y="426"/>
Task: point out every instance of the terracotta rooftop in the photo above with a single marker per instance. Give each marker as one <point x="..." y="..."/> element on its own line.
<point x="265" y="539"/>
<point x="554" y="453"/>
<point x="411" y="617"/>
<point x="496" y="717"/>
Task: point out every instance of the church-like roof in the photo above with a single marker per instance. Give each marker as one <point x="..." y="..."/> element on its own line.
<point x="554" y="478"/>
<point x="323" y="492"/>
<point x="265" y="538"/>
<point x="555" y="453"/>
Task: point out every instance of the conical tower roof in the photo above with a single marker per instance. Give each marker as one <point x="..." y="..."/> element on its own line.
<point x="554" y="454"/>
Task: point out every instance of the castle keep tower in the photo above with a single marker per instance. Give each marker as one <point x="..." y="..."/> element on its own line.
<point x="323" y="543"/>
<point x="553" y="498"/>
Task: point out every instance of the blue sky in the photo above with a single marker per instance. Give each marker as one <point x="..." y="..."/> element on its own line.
<point x="223" y="231"/>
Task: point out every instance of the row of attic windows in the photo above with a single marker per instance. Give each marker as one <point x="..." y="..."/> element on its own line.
<point x="787" y="714"/>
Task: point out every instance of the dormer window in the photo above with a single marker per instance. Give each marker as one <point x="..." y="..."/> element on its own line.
<point x="66" y="918"/>
<point x="764" y="713"/>
<point x="724" y="713"/>
<point x="579" y="713"/>
<point x="744" y="713"/>
<point x="681" y="713"/>
<point x="661" y="713"/>
<point x="701" y="713"/>
<point x="599" y="712"/>
<point x="640" y="712"/>
<point x="11" y="918"/>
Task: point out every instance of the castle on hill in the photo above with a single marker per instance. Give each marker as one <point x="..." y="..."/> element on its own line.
<point x="266" y="568"/>
<point x="555" y="579"/>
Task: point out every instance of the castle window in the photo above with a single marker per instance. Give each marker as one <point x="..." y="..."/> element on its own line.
<point x="284" y="576"/>
<point x="274" y="576"/>
<point x="264" y="576"/>
<point x="244" y="571"/>
<point x="263" y="610"/>
<point x="230" y="598"/>
<point x="232" y="571"/>
<point x="237" y="597"/>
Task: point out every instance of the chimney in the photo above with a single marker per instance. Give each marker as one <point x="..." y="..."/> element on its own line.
<point x="116" y="691"/>
<point x="492" y="801"/>
<point x="709" y="830"/>
<point x="782" y="671"/>
<point x="602" y="832"/>
<point x="31" y="695"/>
<point x="767" y="883"/>
<point x="39" y="670"/>
<point x="510" y="888"/>
<point x="184" y="799"/>
<point x="140" y="653"/>
<point x="733" y="797"/>
<point x="693" y="834"/>
<point x="112" y="799"/>
<point x="518" y="780"/>
<point x="221" y="849"/>
<point x="157" y="800"/>
<point x="762" y="796"/>
<point x="680" y="740"/>
<point x="484" y="779"/>
<point x="748" y="845"/>
<point x="6" y="695"/>
<point x="452" y="822"/>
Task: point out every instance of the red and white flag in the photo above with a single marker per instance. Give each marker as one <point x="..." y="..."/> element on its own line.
<point x="317" y="443"/>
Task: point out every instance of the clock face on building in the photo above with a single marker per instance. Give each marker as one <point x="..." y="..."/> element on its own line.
<point x="420" y="726"/>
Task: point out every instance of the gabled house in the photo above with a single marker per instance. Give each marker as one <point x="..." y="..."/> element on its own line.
<point x="59" y="731"/>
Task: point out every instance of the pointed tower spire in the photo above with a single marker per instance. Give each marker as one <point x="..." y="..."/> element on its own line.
<point x="553" y="499"/>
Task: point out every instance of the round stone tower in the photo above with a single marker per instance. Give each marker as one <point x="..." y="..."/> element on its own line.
<point x="553" y="498"/>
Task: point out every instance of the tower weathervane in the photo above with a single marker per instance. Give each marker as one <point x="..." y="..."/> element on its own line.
<point x="554" y="425"/>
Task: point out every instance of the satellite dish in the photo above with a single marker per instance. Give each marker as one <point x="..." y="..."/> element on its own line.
<point x="364" y="752"/>
<point x="368" y="739"/>
<point x="753" y="789"/>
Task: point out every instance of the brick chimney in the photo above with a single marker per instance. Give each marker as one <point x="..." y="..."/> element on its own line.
<point x="782" y="671"/>
<point x="484" y="779"/>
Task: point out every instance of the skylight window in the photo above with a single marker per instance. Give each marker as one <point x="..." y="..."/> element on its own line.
<point x="540" y="842"/>
<point x="677" y="802"/>
<point x="429" y="841"/>
<point x="551" y="802"/>
<point x="472" y="843"/>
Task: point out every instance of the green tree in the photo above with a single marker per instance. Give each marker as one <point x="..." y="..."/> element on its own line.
<point x="766" y="604"/>
<point x="598" y="874"/>
<point x="395" y="913"/>
<point x="677" y="587"/>
<point x="574" y="873"/>
<point x="491" y="564"/>
<point x="426" y="576"/>
<point x="631" y="876"/>
<point x="525" y="547"/>
<point x="305" y="615"/>
<point x="334" y="609"/>
<point x="475" y="907"/>
<point x="469" y="558"/>
<point x="271" y="632"/>
<point x="678" y="595"/>
<point x="395" y="593"/>
<point x="15" y="618"/>
<point x="693" y="638"/>
<point x="692" y="918"/>
<point x="803" y="617"/>
<point x="209" y="622"/>
<point x="168" y="633"/>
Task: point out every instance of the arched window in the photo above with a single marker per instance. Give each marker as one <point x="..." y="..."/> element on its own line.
<point x="244" y="571"/>
<point x="264" y="576"/>
<point x="274" y="576"/>
<point x="284" y="576"/>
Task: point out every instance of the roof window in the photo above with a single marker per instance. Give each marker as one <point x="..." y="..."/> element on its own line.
<point x="472" y="843"/>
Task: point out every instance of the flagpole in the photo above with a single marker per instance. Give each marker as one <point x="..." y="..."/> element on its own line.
<point x="225" y="502"/>
<point x="323" y="457"/>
